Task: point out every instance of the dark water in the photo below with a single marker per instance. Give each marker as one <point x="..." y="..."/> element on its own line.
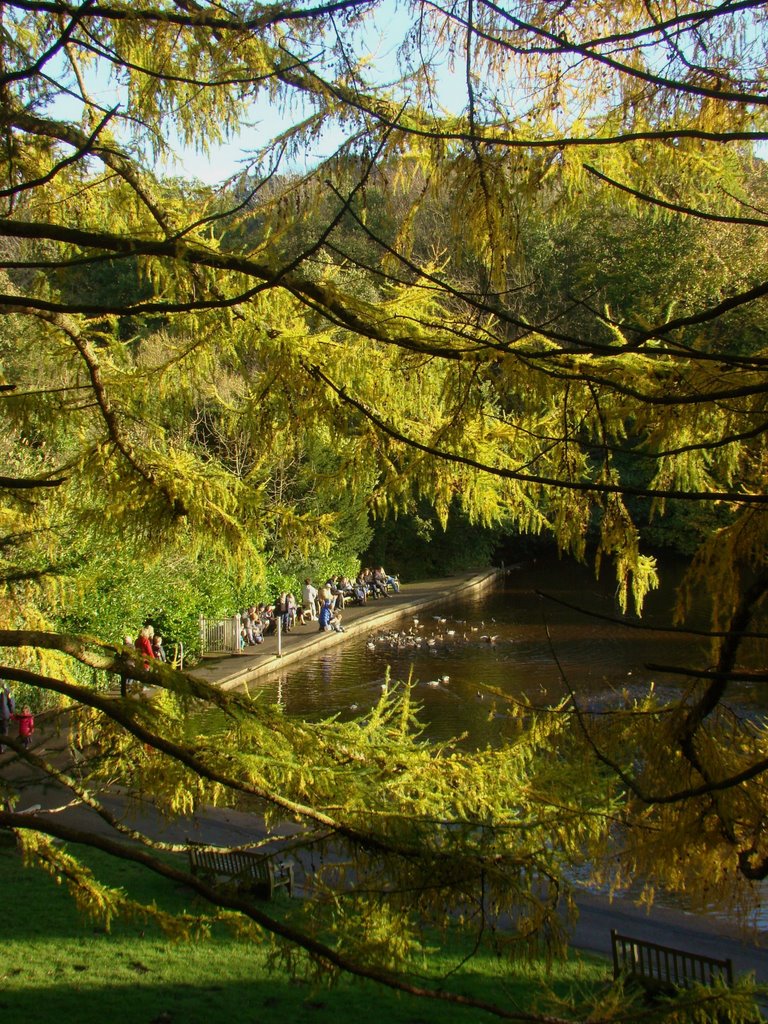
<point x="507" y="638"/>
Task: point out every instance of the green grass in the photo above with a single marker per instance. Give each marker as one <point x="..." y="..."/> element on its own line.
<point x="57" y="966"/>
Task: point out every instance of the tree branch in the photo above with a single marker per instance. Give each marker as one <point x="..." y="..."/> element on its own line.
<point x="513" y="474"/>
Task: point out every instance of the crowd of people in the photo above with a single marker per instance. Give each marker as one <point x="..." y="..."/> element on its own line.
<point x="323" y="605"/>
<point x="148" y="642"/>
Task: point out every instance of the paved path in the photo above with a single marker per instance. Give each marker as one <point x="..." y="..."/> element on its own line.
<point x="709" y="936"/>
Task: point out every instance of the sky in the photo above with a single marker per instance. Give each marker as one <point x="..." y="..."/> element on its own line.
<point x="226" y="160"/>
<point x="379" y="38"/>
<point x="265" y="121"/>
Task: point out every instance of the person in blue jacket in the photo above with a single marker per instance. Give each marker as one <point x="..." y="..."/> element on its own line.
<point x="324" y="618"/>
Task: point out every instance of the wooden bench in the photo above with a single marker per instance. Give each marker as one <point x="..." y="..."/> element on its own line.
<point x="661" y="968"/>
<point x="244" y="869"/>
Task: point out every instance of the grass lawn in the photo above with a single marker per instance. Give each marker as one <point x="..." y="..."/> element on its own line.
<point x="58" y="967"/>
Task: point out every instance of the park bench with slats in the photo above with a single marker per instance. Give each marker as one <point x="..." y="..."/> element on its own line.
<point x="244" y="869"/>
<point x="661" y="968"/>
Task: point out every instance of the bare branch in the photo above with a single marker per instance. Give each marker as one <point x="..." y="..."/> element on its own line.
<point x="28" y="483"/>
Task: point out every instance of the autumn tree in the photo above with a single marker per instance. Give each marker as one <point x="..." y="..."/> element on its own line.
<point x="168" y="349"/>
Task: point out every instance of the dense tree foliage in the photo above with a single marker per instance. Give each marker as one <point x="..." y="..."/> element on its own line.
<point x="535" y="300"/>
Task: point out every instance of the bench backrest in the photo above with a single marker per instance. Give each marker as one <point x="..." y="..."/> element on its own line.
<point x="246" y="869"/>
<point x="234" y="862"/>
<point x="659" y="965"/>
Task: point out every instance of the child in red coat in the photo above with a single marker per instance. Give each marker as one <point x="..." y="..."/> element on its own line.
<point x="26" y="726"/>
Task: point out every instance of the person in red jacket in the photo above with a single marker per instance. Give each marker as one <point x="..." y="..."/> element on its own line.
<point x="144" y="643"/>
<point x="26" y="726"/>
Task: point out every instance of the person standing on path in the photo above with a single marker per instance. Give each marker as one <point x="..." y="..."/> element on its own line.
<point x="309" y="598"/>
<point x="143" y="643"/>
<point x="26" y="726"/>
<point x="7" y="709"/>
<point x="283" y="612"/>
<point x="324" y="619"/>
<point x="157" y="648"/>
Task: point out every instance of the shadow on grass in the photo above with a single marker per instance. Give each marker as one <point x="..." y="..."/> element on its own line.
<point x="61" y="967"/>
<point x="69" y="1000"/>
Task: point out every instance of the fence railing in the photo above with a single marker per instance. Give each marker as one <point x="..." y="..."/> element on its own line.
<point x="220" y="636"/>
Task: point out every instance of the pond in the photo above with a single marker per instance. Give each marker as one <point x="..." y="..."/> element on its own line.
<point x="509" y="638"/>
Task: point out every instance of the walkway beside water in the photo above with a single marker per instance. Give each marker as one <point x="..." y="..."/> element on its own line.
<point x="229" y="671"/>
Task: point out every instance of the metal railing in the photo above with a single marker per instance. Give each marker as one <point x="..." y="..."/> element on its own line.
<point x="177" y="658"/>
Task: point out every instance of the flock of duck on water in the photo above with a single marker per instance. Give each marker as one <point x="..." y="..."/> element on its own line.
<point x="440" y="637"/>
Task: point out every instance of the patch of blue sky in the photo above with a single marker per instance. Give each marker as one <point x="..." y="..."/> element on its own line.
<point x="373" y="46"/>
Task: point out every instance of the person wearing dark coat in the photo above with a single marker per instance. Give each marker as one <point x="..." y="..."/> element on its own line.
<point x="7" y="709"/>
